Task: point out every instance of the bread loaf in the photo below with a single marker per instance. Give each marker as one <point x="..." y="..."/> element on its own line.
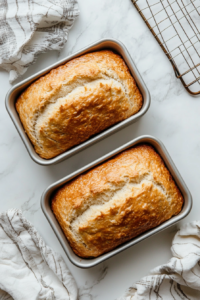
<point x="116" y="201"/>
<point x="77" y="100"/>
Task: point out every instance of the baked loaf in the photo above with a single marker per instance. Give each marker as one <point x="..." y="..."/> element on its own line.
<point x="77" y="100"/>
<point x="116" y="201"/>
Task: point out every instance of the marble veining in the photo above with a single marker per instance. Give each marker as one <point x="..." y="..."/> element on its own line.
<point x="173" y="117"/>
<point x="86" y="290"/>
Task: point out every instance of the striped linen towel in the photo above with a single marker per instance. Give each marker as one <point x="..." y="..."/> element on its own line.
<point x="31" y="27"/>
<point x="179" y="279"/>
<point x="29" y="269"/>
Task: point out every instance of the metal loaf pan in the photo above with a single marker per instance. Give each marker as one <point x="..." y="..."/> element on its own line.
<point x="87" y="263"/>
<point x="14" y="92"/>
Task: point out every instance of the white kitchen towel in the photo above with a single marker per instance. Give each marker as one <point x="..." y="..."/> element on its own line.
<point x="29" y="269"/>
<point x="179" y="279"/>
<point x="31" y="27"/>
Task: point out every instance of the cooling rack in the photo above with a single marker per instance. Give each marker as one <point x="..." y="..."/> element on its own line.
<point x="175" y="24"/>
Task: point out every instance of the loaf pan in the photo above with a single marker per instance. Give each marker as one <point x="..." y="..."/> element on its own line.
<point x="15" y="91"/>
<point x="87" y="263"/>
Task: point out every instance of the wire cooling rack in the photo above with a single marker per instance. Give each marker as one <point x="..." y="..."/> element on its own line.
<point x="176" y="26"/>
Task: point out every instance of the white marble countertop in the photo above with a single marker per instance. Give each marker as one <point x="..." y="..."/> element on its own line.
<point x="173" y="117"/>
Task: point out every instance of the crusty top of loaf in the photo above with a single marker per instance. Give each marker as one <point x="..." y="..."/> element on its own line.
<point x="77" y="100"/>
<point x="116" y="201"/>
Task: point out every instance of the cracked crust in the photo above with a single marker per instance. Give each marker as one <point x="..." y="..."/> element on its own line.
<point x="116" y="201"/>
<point x="77" y="100"/>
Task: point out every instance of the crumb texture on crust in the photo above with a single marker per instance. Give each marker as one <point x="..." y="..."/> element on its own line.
<point x="77" y="100"/>
<point x="116" y="201"/>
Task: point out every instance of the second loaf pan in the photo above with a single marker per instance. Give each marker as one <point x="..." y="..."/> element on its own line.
<point x="15" y="91"/>
<point x="87" y="263"/>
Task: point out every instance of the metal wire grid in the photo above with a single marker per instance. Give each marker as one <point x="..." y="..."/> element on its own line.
<point x="176" y="26"/>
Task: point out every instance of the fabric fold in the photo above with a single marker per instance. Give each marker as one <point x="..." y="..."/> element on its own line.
<point x="31" y="27"/>
<point x="179" y="278"/>
<point x="31" y="267"/>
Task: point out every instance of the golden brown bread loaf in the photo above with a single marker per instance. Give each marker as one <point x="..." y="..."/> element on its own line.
<point x="116" y="201"/>
<point x="77" y="100"/>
